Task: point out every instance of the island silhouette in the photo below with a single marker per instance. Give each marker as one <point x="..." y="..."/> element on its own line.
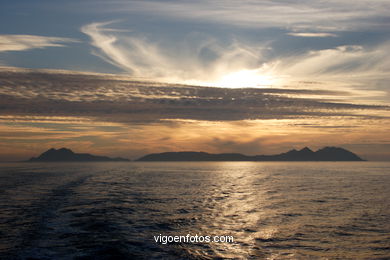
<point x="305" y="154"/>
<point x="67" y="155"/>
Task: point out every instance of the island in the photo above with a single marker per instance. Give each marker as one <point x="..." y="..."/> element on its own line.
<point x="67" y="155"/>
<point x="305" y="154"/>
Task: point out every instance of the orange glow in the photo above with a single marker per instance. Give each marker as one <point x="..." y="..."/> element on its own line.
<point x="23" y="139"/>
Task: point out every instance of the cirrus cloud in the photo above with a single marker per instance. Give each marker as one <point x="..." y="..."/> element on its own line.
<point x="23" y="42"/>
<point x="305" y="14"/>
<point x="313" y="35"/>
<point x="198" y="57"/>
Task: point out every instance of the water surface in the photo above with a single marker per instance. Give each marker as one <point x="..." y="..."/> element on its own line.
<point x="274" y="210"/>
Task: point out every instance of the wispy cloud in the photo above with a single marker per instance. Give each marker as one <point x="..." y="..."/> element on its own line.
<point x="305" y="14"/>
<point x="22" y="42"/>
<point x="313" y="35"/>
<point x="351" y="67"/>
<point x="200" y="58"/>
<point x="197" y="57"/>
<point x="132" y="56"/>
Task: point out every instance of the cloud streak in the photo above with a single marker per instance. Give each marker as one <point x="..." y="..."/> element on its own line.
<point x="354" y="67"/>
<point x="313" y="35"/>
<point x="197" y="57"/>
<point x="23" y="42"/>
<point x="130" y="101"/>
<point x="304" y="15"/>
<point x="133" y="56"/>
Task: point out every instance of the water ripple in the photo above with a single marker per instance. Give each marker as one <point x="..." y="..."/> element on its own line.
<point x="273" y="210"/>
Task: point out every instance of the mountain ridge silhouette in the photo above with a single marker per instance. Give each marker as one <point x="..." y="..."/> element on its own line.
<point x="328" y="153"/>
<point x="305" y="154"/>
<point x="67" y="155"/>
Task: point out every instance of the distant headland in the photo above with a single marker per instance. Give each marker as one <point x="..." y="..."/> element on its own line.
<point x="305" y="154"/>
<point x="67" y="155"/>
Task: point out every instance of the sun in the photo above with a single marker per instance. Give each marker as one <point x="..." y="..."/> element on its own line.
<point x="245" y="79"/>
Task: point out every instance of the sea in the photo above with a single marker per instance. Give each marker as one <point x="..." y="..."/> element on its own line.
<point x="124" y="210"/>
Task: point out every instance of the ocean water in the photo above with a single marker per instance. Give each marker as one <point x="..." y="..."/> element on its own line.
<point x="273" y="210"/>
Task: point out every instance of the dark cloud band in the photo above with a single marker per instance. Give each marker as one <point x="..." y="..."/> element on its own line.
<point x="120" y="99"/>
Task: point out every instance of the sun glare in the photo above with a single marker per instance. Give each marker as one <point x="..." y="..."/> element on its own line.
<point x="240" y="79"/>
<point x="245" y="79"/>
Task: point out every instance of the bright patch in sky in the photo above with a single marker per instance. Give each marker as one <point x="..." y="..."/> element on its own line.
<point x="246" y="79"/>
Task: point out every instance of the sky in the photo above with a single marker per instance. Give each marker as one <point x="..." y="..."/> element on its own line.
<point x="127" y="78"/>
